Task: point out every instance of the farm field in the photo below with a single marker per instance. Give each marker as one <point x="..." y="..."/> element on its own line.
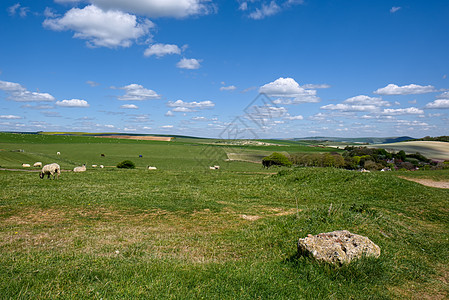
<point x="186" y="232"/>
<point x="430" y="149"/>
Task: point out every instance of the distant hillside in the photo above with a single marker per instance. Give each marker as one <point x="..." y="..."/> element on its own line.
<point x="363" y="140"/>
<point x="443" y="138"/>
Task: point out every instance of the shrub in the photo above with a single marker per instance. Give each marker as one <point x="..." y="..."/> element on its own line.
<point x="126" y="164"/>
<point x="276" y="159"/>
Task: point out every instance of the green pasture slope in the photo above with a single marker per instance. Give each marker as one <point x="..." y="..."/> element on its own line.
<point x="184" y="232"/>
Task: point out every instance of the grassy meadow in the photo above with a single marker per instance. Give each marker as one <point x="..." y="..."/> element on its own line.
<point x="184" y="231"/>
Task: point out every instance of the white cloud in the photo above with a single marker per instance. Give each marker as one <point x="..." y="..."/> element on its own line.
<point x="169" y="114"/>
<point x="393" y="89"/>
<point x="189" y="64"/>
<point x="403" y="111"/>
<point x="167" y="126"/>
<point x="92" y="83"/>
<point x="161" y="50"/>
<point x="438" y="104"/>
<point x="136" y="92"/>
<point x="17" y="8"/>
<point x="298" y="117"/>
<point x="101" y="28"/>
<point x="10" y="117"/>
<point x="444" y="95"/>
<point x="289" y="88"/>
<point x="359" y="103"/>
<point x="72" y="103"/>
<point x="228" y="88"/>
<point x="17" y="92"/>
<point x="181" y="106"/>
<point x="129" y="106"/>
<point x="50" y="13"/>
<point x="159" y="8"/>
<point x="394" y="9"/>
<point x="265" y="11"/>
<point x="316" y="86"/>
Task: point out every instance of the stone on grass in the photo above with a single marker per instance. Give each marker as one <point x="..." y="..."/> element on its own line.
<point x="337" y="247"/>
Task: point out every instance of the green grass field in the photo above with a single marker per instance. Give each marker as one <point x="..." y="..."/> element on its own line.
<point x="185" y="232"/>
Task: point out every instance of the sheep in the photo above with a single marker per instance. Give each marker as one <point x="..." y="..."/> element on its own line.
<point x="80" y="169"/>
<point x="151" y="168"/>
<point x="94" y="166"/>
<point x="102" y="155"/>
<point x="51" y="169"/>
<point x="58" y="153"/>
<point x="101" y="166"/>
<point x="26" y="165"/>
<point x="217" y="167"/>
<point x="37" y="164"/>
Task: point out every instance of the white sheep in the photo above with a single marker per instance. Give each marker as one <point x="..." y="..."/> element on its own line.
<point x="80" y="169"/>
<point x="51" y="169"/>
<point x="212" y="168"/>
<point x="94" y="166"/>
<point x="152" y="168"/>
<point x="26" y="165"/>
<point x="101" y="166"/>
<point x="58" y="153"/>
<point x="217" y="167"/>
<point x="37" y="164"/>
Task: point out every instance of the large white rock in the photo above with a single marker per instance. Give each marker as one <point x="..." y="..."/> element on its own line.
<point x="337" y="247"/>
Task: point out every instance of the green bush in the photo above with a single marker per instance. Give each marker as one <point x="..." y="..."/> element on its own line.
<point x="276" y="159"/>
<point x="126" y="164"/>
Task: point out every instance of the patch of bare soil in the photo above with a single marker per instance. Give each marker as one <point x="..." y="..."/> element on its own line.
<point x="429" y="182"/>
<point x="134" y="137"/>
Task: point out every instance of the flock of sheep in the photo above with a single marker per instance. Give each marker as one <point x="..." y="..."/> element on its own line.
<point x="55" y="170"/>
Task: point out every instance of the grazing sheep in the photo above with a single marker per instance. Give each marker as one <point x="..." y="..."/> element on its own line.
<point x="37" y="164"/>
<point x="212" y="168"/>
<point x="80" y="169"/>
<point x="94" y="166"/>
<point x="101" y="166"/>
<point x="26" y="165"/>
<point x="51" y="169"/>
<point x="152" y="168"/>
<point x="58" y="153"/>
<point x="217" y="167"/>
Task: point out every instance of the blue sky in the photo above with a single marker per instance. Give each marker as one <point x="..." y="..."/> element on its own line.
<point x="193" y="67"/>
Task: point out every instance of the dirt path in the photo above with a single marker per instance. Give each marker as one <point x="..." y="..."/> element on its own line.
<point x="429" y="182"/>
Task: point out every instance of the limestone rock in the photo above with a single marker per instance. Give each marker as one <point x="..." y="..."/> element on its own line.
<point x="337" y="247"/>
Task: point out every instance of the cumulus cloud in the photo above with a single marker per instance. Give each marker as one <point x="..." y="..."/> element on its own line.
<point x="101" y="28"/>
<point x="10" y="117"/>
<point x="403" y="111"/>
<point x="17" y="92"/>
<point x="181" y="106"/>
<point x="393" y="89"/>
<point x="159" y="8"/>
<point x="129" y="106"/>
<point x="265" y="11"/>
<point x="136" y="92"/>
<point x="160" y="50"/>
<point x="189" y="64"/>
<point x="359" y="103"/>
<point x="169" y="114"/>
<point x="72" y="103"/>
<point x="290" y="91"/>
<point x="438" y="104"/>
